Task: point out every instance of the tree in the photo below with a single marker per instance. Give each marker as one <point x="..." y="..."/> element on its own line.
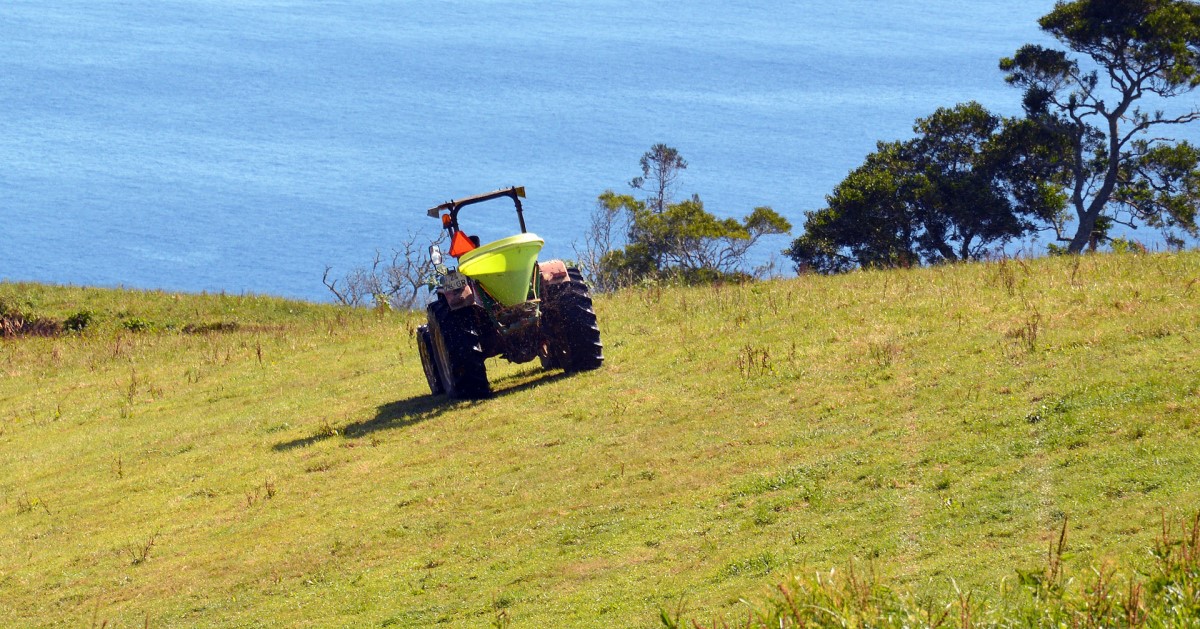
<point x="867" y="221"/>
<point x="393" y="284"/>
<point x="1162" y="186"/>
<point x="608" y="225"/>
<point x="662" y="238"/>
<point x="661" y="167"/>
<point x="687" y="239"/>
<point x="968" y="181"/>
<point x="1116" y="172"/>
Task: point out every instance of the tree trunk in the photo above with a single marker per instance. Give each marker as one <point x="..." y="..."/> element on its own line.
<point x="1087" y="218"/>
<point x="1083" y="235"/>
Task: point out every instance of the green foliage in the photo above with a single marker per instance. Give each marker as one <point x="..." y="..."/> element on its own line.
<point x="686" y="241"/>
<point x="79" y="321"/>
<point x="1126" y="246"/>
<point x="1084" y="153"/>
<point x="661" y="167"/>
<point x="1117" y="168"/>
<point x="676" y="240"/>
<point x="1160" y="184"/>
<point x="137" y="324"/>
<point x="967" y="182"/>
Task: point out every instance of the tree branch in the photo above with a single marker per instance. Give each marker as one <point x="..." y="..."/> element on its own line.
<point x="332" y="286"/>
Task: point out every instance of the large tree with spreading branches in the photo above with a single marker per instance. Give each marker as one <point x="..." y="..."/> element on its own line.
<point x="968" y="182"/>
<point x="1110" y="99"/>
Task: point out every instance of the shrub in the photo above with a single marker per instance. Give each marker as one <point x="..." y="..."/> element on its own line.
<point x="137" y="324"/>
<point x="79" y="321"/>
<point x="15" y="321"/>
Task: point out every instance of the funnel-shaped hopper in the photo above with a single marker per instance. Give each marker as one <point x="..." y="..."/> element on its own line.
<point x="504" y="267"/>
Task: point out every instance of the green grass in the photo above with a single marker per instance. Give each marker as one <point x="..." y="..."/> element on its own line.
<point x="248" y="461"/>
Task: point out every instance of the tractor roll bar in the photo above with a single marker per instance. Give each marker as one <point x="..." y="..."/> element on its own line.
<point x="515" y="193"/>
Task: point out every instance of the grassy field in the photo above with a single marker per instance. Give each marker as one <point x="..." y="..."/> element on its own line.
<point x="192" y="460"/>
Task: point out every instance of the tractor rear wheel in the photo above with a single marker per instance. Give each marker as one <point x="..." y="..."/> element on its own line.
<point x="457" y="353"/>
<point x="425" y="348"/>
<point x="570" y="335"/>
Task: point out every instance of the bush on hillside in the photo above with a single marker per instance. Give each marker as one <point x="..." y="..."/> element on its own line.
<point x="664" y="239"/>
<point x="16" y="321"/>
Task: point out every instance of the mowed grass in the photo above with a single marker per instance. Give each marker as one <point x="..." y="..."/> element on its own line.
<point x="291" y="470"/>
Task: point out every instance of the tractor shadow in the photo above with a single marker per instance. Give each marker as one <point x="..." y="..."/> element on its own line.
<point x="415" y="410"/>
<point x="404" y="413"/>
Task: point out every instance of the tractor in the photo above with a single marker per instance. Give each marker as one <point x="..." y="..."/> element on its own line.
<point x="501" y="301"/>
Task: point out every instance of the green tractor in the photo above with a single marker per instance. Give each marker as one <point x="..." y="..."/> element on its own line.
<point x="501" y="301"/>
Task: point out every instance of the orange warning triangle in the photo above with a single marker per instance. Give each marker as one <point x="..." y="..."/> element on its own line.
<point x="460" y="244"/>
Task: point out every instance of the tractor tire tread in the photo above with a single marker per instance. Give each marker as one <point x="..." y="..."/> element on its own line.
<point x="456" y="341"/>
<point x="573" y="335"/>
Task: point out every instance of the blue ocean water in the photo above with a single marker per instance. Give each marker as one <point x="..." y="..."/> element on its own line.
<point x="244" y="145"/>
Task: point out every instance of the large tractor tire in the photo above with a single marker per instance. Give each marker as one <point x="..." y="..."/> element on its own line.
<point x="571" y="337"/>
<point x="432" y="374"/>
<point x="457" y="353"/>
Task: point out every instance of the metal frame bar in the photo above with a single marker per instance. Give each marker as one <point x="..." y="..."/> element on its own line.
<point x="515" y="193"/>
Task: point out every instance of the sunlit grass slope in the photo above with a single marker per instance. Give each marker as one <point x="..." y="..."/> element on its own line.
<point x="281" y="464"/>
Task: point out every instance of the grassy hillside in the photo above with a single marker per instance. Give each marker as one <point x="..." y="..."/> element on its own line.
<point x="220" y="460"/>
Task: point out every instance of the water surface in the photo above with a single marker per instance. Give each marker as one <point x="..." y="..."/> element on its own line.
<point x="243" y="146"/>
